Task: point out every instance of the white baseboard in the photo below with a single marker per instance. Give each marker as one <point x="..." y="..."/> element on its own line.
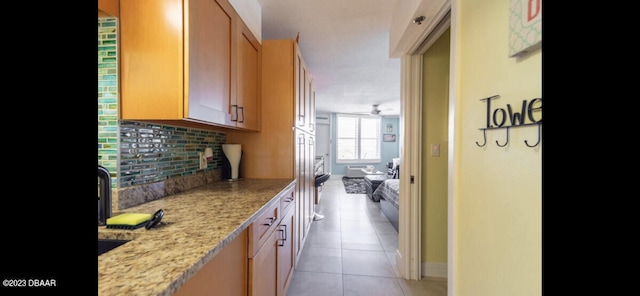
<point x="435" y="270"/>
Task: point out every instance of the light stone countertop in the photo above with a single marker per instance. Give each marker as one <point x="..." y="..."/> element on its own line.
<point x="196" y="225"/>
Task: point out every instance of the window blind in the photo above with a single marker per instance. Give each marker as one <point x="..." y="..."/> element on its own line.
<point x="358" y="138"/>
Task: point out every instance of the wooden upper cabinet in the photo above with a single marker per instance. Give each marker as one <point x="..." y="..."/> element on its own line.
<point x="151" y="63"/>
<point x="210" y="61"/>
<point x="300" y="72"/>
<point x="305" y="107"/>
<point x="108" y="8"/>
<point x="246" y="110"/>
<point x="179" y="62"/>
<point x="310" y="123"/>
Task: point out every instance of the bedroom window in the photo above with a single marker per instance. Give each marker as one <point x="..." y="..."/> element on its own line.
<point x="358" y="139"/>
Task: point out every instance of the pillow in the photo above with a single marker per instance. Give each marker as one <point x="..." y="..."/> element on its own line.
<point x="396" y="173"/>
<point x="396" y="162"/>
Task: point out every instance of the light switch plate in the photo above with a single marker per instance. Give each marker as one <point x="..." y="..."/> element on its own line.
<point x="435" y="149"/>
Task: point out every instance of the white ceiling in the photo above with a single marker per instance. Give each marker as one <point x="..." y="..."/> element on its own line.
<point x="345" y="44"/>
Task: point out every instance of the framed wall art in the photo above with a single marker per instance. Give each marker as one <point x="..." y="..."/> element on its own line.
<point x="389" y="137"/>
<point x="525" y="26"/>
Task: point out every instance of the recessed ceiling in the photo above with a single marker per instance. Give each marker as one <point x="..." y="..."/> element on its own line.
<point x="345" y="44"/>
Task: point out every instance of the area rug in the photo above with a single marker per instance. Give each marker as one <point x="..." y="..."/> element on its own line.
<point x="354" y="185"/>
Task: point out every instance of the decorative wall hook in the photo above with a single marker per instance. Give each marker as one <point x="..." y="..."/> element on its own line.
<point x="484" y="134"/>
<point x="507" y="142"/>
<point x="527" y="114"/>
<point x="538" y="142"/>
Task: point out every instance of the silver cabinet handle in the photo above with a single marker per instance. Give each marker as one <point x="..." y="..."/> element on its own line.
<point x="241" y="112"/>
<point x="235" y="110"/>
<point x="273" y="219"/>
<point x="283" y="235"/>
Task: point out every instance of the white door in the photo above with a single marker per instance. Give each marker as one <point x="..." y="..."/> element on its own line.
<point x="323" y="144"/>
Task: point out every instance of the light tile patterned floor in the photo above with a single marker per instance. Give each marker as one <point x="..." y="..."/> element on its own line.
<point x="351" y="251"/>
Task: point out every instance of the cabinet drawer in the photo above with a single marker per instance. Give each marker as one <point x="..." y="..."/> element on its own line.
<point x="286" y="200"/>
<point x="260" y="229"/>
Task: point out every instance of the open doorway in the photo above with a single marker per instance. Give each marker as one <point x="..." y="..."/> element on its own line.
<point x="423" y="242"/>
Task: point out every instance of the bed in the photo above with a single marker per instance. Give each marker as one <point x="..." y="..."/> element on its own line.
<point x="388" y="193"/>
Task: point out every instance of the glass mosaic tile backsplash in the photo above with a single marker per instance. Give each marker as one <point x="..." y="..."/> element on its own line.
<point x="152" y="152"/>
<point x="108" y="96"/>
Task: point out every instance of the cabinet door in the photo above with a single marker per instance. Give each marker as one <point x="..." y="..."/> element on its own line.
<point x="151" y="63"/>
<point x="108" y="8"/>
<point x="308" y="93"/>
<point x="246" y="111"/>
<point x="299" y="191"/>
<point x="286" y="254"/>
<point x="312" y="109"/>
<point x="305" y="95"/>
<point x="309" y="202"/>
<point x="263" y="268"/>
<point x="210" y="55"/>
<point x="225" y="274"/>
<point x="299" y="85"/>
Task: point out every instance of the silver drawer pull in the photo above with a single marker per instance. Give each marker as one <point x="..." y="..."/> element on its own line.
<point x="273" y="219"/>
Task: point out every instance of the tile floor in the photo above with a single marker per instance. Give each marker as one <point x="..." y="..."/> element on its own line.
<point x="351" y="251"/>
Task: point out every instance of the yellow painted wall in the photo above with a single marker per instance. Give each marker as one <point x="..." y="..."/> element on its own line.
<point x="497" y="191"/>
<point x="435" y="108"/>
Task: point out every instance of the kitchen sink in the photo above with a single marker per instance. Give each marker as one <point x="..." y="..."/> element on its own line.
<point x="106" y="245"/>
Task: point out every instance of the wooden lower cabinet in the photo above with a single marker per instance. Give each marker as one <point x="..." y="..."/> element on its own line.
<point x="263" y="268"/>
<point x="191" y="63"/>
<point x="225" y="274"/>
<point x="263" y="252"/>
<point x="272" y="261"/>
<point x="258" y="262"/>
<point x="286" y="254"/>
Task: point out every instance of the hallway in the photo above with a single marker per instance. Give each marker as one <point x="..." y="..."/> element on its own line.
<point x="351" y="251"/>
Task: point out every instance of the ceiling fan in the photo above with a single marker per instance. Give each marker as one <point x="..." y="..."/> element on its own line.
<point x="375" y="111"/>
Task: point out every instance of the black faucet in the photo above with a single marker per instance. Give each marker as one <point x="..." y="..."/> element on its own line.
<point x="104" y="199"/>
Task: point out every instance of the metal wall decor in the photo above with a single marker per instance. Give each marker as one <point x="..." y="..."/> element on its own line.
<point x="500" y="118"/>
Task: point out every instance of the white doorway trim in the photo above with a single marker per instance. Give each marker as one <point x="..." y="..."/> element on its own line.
<point x="408" y="256"/>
